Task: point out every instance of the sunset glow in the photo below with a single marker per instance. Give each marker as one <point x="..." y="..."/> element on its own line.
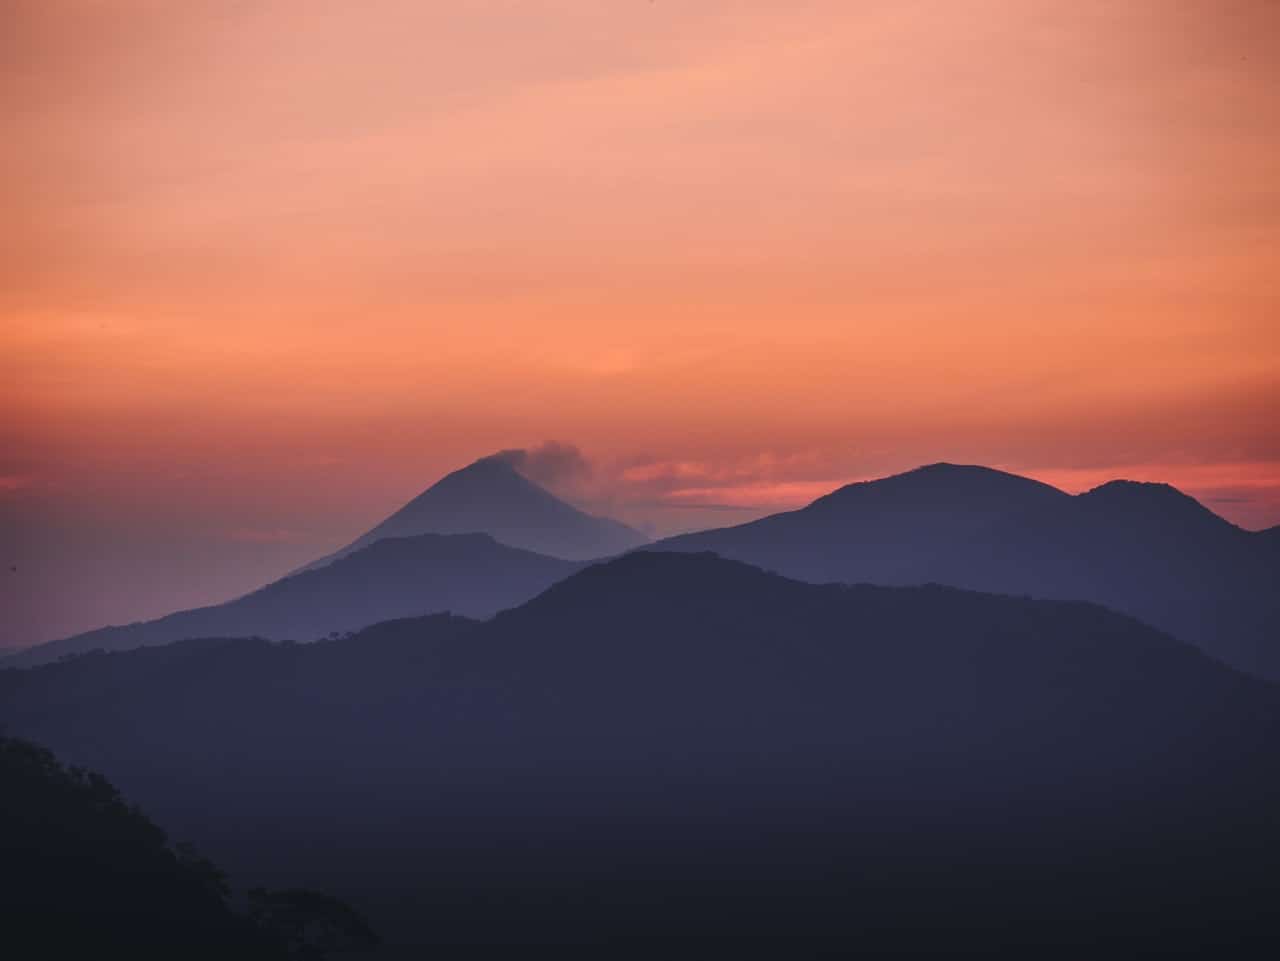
<point x="268" y="270"/>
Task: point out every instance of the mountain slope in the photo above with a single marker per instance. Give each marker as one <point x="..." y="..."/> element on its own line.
<point x="1146" y="549"/>
<point x="492" y="497"/>
<point x="470" y="574"/>
<point x="1270" y="537"/>
<point x="1142" y="549"/>
<point x="694" y="746"/>
<point x="875" y="531"/>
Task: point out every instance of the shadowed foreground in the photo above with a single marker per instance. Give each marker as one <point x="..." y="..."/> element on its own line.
<point x="683" y="753"/>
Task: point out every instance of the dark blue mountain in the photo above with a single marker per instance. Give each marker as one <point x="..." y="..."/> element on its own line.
<point x="1142" y="549"/>
<point x="470" y="574"/>
<point x="1145" y="549"/>
<point x="490" y="496"/>
<point x="876" y="531"/>
<point x="675" y="749"/>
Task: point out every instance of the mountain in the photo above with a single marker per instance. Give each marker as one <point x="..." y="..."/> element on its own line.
<point x="682" y="749"/>
<point x="1142" y="549"/>
<point x="394" y="577"/>
<point x="875" y="531"/>
<point x="490" y="496"/>
<point x="481" y="539"/>
<point x="1145" y="549"/>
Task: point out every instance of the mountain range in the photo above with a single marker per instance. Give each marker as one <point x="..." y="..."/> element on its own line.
<point x="681" y="746"/>
<point x="426" y="557"/>
<point x="1142" y="549"/>
<point x="470" y="574"/>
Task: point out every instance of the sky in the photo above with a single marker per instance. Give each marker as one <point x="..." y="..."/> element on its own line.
<point x="268" y="269"/>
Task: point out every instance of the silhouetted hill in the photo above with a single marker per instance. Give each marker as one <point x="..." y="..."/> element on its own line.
<point x="471" y="574"/>
<point x="88" y="876"/>
<point x="677" y="747"/>
<point x="1142" y="549"/>
<point x="875" y="531"/>
<point x="1146" y="549"/>
<point x="492" y="497"/>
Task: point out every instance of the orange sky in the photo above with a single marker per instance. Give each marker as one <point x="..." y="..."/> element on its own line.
<point x="267" y="269"/>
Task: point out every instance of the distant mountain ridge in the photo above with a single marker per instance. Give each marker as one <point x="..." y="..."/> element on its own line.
<point x="490" y="496"/>
<point x="522" y="538"/>
<point x="469" y="574"/>
<point x="1147" y="550"/>
<point x="874" y="531"/>
<point x="1143" y="549"/>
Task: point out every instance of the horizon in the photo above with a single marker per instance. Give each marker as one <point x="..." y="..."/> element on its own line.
<point x="273" y="268"/>
<point x="561" y="470"/>
<point x="772" y="478"/>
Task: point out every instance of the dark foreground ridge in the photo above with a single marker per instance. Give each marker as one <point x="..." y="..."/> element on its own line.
<point x="681" y="753"/>
<point x="87" y="876"/>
